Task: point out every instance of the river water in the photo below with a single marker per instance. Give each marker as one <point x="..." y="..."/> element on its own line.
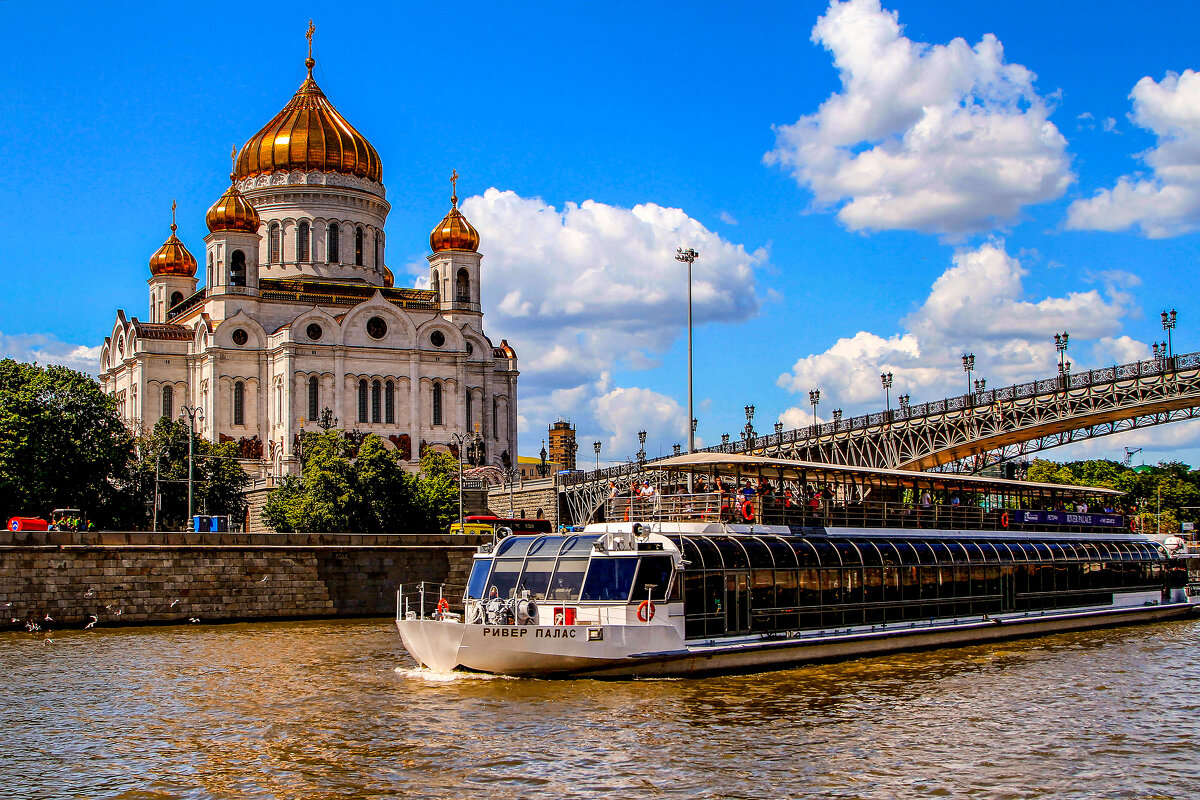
<point x="336" y="709"/>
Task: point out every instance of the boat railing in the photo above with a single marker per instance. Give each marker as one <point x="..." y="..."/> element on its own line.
<point x="426" y="600"/>
<point x="825" y="512"/>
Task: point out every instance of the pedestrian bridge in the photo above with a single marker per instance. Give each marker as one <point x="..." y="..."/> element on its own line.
<point x="967" y="433"/>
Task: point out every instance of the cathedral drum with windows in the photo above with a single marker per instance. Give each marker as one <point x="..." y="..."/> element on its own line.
<point x="298" y="322"/>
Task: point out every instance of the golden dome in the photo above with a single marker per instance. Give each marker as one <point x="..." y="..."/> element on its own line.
<point x="389" y="280"/>
<point x="173" y="258"/>
<point x="232" y="212"/>
<point x="310" y="135"/>
<point x="454" y="232"/>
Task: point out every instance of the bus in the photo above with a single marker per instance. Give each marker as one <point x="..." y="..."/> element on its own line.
<point x="486" y="525"/>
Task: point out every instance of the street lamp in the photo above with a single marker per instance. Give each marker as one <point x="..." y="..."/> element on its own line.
<point x="724" y="438"/>
<point x="778" y="428"/>
<point x="460" y="441"/>
<point x="689" y="257"/>
<point x="596" y="447"/>
<point x="837" y="418"/>
<point x="886" y="380"/>
<point x="641" y="453"/>
<point x="814" y="397"/>
<point x="675" y="449"/>
<point x="749" y="423"/>
<point x="1168" y="323"/>
<point x="968" y="361"/>
<point x="1060" y="344"/>
<point x="543" y="468"/>
<point x="193" y="413"/>
<point x="980" y="385"/>
<point x="904" y="401"/>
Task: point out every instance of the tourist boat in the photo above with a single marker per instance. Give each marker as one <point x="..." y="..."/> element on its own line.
<point x="795" y="562"/>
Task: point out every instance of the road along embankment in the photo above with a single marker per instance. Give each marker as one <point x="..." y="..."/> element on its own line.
<point x="122" y="578"/>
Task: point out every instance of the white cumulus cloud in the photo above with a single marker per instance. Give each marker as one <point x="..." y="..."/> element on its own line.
<point x="947" y="139"/>
<point x="46" y="349"/>
<point x="589" y="288"/>
<point x="978" y="305"/>
<point x="1167" y="201"/>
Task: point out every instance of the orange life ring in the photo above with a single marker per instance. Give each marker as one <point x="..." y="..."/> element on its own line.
<point x="1133" y="524"/>
<point x="645" y="611"/>
<point x="443" y="606"/>
<point x="748" y="510"/>
<point x="1004" y="520"/>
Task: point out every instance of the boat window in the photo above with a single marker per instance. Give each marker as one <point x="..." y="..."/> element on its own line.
<point x="536" y="577"/>
<point x="654" y="570"/>
<point x="568" y="579"/>
<point x="710" y="558"/>
<point x="958" y="553"/>
<point x="1022" y="551"/>
<point x="1059" y="552"/>
<point x="760" y="556"/>
<point x="692" y="555"/>
<point x="504" y="577"/>
<point x="924" y="552"/>
<point x="1006" y="553"/>
<point x="908" y="555"/>
<point x="609" y="579"/>
<point x="732" y="553"/>
<point x="545" y="546"/>
<point x="940" y="552"/>
<point x="579" y="545"/>
<point x="782" y="552"/>
<point x="477" y="584"/>
<point x="1043" y="552"/>
<point x="848" y="552"/>
<point x="890" y="555"/>
<point x="806" y="553"/>
<point x="515" y="546"/>
<point x="870" y="554"/>
<point x="827" y="554"/>
<point x="980" y="551"/>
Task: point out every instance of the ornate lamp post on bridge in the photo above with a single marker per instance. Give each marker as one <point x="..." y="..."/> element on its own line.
<point x="689" y="257"/>
<point x="596" y="447"/>
<point x="543" y="468"/>
<point x="903" y="400"/>
<point x="886" y="380"/>
<point x="1168" y="323"/>
<point x="968" y="362"/>
<point x="980" y="385"/>
<point x="749" y="424"/>
<point x="192" y="413"/>
<point x="1060" y="344"/>
<point x="814" y="397"/>
<point x="837" y="418"/>
<point x="641" y="453"/>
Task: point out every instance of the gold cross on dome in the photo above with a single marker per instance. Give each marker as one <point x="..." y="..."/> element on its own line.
<point x="233" y="156"/>
<point x="454" y="181"/>
<point x="173" y="225"/>
<point x="308" y="35"/>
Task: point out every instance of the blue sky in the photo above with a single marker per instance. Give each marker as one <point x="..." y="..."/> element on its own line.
<point x="870" y="188"/>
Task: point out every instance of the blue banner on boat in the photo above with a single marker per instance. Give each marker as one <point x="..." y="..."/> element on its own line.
<point x="1067" y="518"/>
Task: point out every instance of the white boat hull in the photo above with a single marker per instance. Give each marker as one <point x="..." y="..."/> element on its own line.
<point x="619" y="651"/>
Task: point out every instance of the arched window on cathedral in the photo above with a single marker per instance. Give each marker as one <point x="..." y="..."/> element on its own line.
<point x="389" y="402"/>
<point x="436" y="285"/>
<point x="211" y="263"/>
<point x="378" y="251"/>
<point x="237" y="268"/>
<point x="331" y="244"/>
<point x="362" y="401"/>
<point x="274" y="239"/>
<point x="168" y="401"/>
<point x="176" y="299"/>
<point x="495" y="416"/>
<point x="314" y="398"/>
<point x="376" y="401"/>
<point x="302" y="241"/>
<point x="358" y="246"/>
<point x="239" y="403"/>
<point x="462" y="287"/>
<point x="437" y="404"/>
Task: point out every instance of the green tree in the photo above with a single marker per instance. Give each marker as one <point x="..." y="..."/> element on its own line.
<point x="358" y="485"/>
<point x="218" y="480"/>
<point x="61" y="444"/>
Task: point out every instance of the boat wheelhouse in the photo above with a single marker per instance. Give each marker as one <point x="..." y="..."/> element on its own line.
<point x="815" y="562"/>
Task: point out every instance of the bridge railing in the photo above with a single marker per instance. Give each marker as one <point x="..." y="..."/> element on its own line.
<point x="1073" y="380"/>
<point x="775" y="510"/>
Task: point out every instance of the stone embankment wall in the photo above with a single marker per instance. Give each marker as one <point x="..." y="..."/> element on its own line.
<point x="119" y="578"/>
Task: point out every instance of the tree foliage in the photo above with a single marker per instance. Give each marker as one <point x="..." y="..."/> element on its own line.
<point x="61" y="444"/>
<point x="358" y="485"/>
<point x="1170" y="490"/>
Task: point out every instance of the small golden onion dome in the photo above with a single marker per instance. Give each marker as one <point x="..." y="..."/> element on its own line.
<point x="505" y="350"/>
<point x="389" y="280"/>
<point x="232" y="212"/>
<point x="173" y="258"/>
<point x="454" y="232"/>
<point x="309" y="135"/>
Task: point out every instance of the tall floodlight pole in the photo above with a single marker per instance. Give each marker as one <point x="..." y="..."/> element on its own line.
<point x="1168" y="323"/>
<point x="192" y="413"/>
<point x="688" y="257"/>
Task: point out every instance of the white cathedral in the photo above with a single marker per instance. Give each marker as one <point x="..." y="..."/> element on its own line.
<point x="298" y="322"/>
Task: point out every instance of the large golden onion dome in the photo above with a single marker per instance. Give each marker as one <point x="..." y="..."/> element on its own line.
<point x="173" y="258"/>
<point x="454" y="232"/>
<point x="232" y="212"/>
<point x="309" y="135"/>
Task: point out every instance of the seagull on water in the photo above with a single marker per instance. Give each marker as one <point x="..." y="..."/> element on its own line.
<point x="174" y="602"/>
<point x="193" y="619"/>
